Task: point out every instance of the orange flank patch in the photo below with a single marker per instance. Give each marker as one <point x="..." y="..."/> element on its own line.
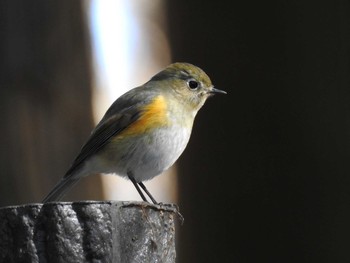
<point x="153" y="115"/>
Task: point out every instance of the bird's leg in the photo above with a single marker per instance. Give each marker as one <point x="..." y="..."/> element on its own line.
<point x="161" y="204"/>
<point x="148" y="193"/>
<point x="132" y="179"/>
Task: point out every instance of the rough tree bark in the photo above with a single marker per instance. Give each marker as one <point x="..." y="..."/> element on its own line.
<point x="87" y="232"/>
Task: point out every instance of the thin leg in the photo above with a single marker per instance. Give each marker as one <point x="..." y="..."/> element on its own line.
<point x="132" y="179"/>
<point x="148" y="193"/>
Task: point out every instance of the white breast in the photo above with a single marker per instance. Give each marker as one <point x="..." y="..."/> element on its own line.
<point x="144" y="156"/>
<point x="158" y="152"/>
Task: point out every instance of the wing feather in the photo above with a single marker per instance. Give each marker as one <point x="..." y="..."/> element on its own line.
<point x="124" y="111"/>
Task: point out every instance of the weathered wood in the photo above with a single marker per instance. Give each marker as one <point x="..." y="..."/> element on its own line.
<point x="88" y="231"/>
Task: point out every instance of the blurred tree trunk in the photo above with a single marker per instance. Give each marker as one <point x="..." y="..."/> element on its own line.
<point x="45" y="96"/>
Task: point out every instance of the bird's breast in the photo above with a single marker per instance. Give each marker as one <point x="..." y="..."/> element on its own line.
<point x="149" y="145"/>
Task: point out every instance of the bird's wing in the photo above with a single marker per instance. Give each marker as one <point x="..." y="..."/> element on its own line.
<point x="118" y="117"/>
<point x="102" y="134"/>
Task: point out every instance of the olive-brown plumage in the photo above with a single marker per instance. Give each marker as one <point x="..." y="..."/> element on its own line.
<point x="144" y="131"/>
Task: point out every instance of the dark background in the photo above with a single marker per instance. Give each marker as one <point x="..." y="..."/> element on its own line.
<point x="266" y="175"/>
<point x="45" y="97"/>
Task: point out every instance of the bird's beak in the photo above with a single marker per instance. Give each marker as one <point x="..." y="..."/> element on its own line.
<point x="214" y="91"/>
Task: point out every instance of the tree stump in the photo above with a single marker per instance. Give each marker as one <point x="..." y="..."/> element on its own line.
<point x="88" y="231"/>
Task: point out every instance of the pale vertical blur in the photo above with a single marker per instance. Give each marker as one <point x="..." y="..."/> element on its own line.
<point x="130" y="45"/>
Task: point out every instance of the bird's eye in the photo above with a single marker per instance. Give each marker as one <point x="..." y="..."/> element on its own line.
<point x="193" y="84"/>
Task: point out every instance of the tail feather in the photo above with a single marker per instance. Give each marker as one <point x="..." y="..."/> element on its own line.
<point x="60" y="189"/>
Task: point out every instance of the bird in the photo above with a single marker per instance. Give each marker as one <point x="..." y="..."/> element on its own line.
<point x="144" y="131"/>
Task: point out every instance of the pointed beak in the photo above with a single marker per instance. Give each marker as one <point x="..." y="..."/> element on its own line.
<point x="214" y="91"/>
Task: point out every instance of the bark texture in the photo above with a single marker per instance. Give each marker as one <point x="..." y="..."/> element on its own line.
<point x="87" y="232"/>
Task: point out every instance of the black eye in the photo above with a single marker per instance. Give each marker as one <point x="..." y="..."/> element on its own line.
<point x="193" y="84"/>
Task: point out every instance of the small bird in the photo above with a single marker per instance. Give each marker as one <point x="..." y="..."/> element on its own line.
<point x="144" y="131"/>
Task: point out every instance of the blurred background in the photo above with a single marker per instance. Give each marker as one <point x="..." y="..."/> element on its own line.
<point x="266" y="175"/>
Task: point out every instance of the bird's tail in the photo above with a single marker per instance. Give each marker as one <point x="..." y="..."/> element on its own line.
<point x="60" y="189"/>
